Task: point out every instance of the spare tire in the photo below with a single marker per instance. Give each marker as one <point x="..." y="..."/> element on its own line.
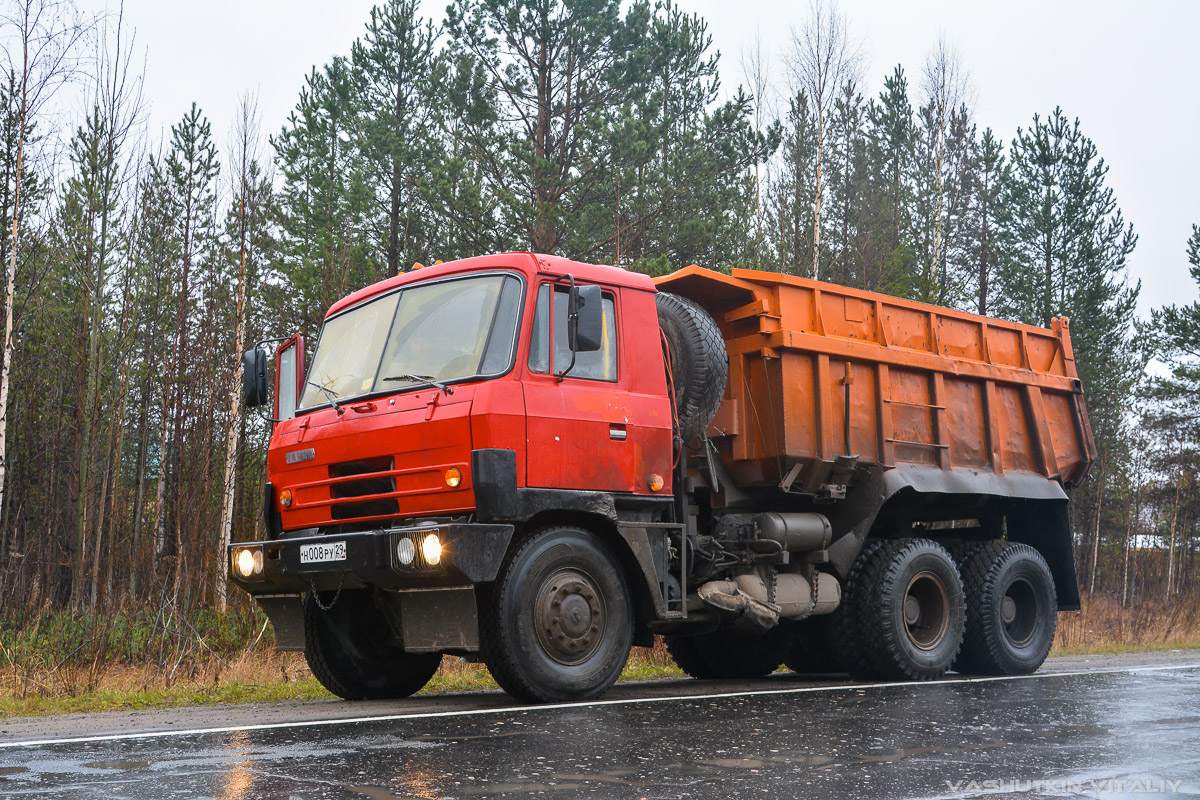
<point x="699" y="365"/>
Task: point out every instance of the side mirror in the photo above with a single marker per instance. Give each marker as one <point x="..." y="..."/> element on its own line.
<point x="254" y="378"/>
<point x="586" y="327"/>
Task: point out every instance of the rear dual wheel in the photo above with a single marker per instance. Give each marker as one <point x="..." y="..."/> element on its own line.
<point x="903" y="611"/>
<point x="1012" y="609"/>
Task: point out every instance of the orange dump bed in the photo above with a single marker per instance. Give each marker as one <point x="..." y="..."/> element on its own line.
<point x="818" y="370"/>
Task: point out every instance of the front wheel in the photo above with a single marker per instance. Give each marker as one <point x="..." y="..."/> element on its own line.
<point x="561" y="622"/>
<point x="352" y="652"/>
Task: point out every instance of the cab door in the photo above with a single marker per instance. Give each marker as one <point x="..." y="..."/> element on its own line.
<point x="289" y="377"/>
<point x="578" y="424"/>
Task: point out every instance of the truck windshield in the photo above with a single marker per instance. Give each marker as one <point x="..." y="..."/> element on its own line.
<point x="445" y="331"/>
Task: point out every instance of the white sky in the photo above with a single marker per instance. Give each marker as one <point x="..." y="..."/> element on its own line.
<point x="1129" y="71"/>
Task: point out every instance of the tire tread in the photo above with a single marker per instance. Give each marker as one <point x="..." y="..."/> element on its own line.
<point x="700" y="389"/>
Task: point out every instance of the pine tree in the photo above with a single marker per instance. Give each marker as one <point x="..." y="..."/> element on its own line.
<point x="790" y="196"/>
<point x="1067" y="253"/>
<point x="464" y="208"/>
<point x="957" y="288"/>
<point x="325" y="202"/>
<point x="1070" y="242"/>
<point x="191" y="167"/>
<point x="88" y="224"/>
<point x="943" y="182"/>
<point x="892" y="160"/>
<point x="396" y="93"/>
<point x="154" y="247"/>
<point x="1174" y="412"/>
<point x="982" y="232"/>
<point x="555" y="66"/>
<point x="845" y="213"/>
<point x="673" y="174"/>
<point x="1180" y="325"/>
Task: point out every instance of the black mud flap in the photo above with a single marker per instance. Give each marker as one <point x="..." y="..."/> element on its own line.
<point x="286" y="612"/>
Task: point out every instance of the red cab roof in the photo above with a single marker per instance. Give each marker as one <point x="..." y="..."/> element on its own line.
<point x="528" y="264"/>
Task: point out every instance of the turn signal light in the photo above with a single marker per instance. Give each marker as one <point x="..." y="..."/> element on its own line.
<point x="453" y="477"/>
<point x="285" y="498"/>
<point x="655" y="482"/>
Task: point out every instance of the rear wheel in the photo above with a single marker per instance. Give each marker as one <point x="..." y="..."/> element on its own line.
<point x="728" y="654"/>
<point x="1012" y="610"/>
<point x="974" y="559"/>
<point x="911" y="612"/>
<point x="353" y="653"/>
<point x="686" y="654"/>
<point x="561" y="619"/>
<point x="856" y="599"/>
<point x="815" y="646"/>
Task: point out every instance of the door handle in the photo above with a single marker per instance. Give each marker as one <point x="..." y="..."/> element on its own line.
<point x="617" y="433"/>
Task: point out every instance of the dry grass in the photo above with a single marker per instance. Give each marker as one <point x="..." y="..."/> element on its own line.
<point x="1103" y="626"/>
<point x="258" y="674"/>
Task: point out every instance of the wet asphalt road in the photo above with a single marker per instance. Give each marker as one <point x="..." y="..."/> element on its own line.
<point x="1090" y="728"/>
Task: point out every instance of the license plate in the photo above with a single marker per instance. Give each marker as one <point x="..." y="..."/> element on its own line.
<point x="316" y="553"/>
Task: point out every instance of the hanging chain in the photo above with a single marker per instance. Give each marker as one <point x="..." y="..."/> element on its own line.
<point x="317" y="596"/>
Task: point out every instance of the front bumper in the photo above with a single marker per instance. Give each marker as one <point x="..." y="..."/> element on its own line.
<point x="471" y="553"/>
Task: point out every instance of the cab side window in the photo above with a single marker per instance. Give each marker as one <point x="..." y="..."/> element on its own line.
<point x="600" y="365"/>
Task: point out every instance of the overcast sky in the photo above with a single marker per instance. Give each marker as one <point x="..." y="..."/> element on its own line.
<point x="1129" y="71"/>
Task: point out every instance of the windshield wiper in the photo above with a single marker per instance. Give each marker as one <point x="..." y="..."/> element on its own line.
<point x="331" y="394"/>
<point x="426" y="379"/>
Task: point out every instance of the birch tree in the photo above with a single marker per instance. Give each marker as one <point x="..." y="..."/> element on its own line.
<point x="823" y="60"/>
<point x="245" y="155"/>
<point x="945" y="88"/>
<point x="42" y="49"/>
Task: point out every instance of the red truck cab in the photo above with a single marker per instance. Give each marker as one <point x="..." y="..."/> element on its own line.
<point x="368" y="446"/>
<point x="442" y="408"/>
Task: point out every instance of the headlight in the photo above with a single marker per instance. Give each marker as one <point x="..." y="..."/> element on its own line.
<point x="406" y="551"/>
<point x="285" y="498"/>
<point x="248" y="561"/>
<point x="431" y="548"/>
<point x="453" y="477"/>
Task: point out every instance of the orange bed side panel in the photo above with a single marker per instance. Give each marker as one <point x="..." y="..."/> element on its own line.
<point x="818" y="370"/>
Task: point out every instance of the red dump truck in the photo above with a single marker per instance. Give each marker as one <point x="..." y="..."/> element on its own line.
<point x="540" y="463"/>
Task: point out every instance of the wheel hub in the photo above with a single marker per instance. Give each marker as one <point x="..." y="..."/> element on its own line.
<point x="1008" y="610"/>
<point x="1019" y="612"/>
<point x="570" y="617"/>
<point x="926" y="610"/>
<point x="912" y="610"/>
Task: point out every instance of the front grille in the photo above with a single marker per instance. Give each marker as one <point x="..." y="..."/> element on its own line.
<point x="370" y="484"/>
